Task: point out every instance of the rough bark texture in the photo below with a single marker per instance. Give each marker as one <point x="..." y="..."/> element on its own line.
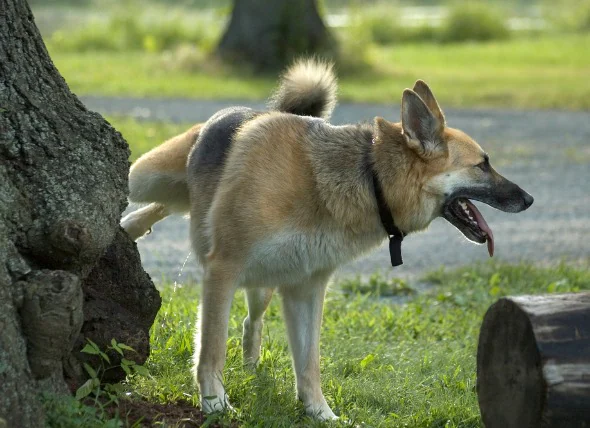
<point x="120" y="303"/>
<point x="269" y="34"/>
<point x="533" y="362"/>
<point x="63" y="185"/>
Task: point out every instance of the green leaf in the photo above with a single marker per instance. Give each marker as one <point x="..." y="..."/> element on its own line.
<point x="118" y="349"/>
<point x="367" y="360"/>
<point x="126" y="369"/>
<point x="84" y="390"/>
<point x="141" y="370"/>
<point x="105" y="357"/>
<point x="494" y="291"/>
<point x="126" y="362"/>
<point x="89" y="349"/>
<point x="94" y="345"/>
<point x="114" y="388"/>
<point x="125" y="347"/>
<point x="495" y="280"/>
<point x="90" y="371"/>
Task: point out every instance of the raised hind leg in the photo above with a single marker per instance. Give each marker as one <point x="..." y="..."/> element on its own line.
<point x="140" y="222"/>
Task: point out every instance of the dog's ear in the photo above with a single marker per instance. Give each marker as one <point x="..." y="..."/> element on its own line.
<point x="422" y="129"/>
<point x="424" y="92"/>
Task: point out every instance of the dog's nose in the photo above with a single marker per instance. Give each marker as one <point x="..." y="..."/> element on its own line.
<point x="528" y="200"/>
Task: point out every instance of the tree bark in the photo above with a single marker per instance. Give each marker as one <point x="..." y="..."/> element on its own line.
<point x="63" y="186"/>
<point x="533" y="362"/>
<point x="267" y="35"/>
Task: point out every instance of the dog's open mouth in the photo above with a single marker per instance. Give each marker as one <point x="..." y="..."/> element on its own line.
<point x="465" y="216"/>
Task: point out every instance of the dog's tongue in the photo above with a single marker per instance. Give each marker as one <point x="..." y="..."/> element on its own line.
<point x="483" y="226"/>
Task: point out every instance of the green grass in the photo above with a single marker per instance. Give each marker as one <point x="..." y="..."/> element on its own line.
<point x="542" y="72"/>
<point x="143" y="136"/>
<point x="383" y="364"/>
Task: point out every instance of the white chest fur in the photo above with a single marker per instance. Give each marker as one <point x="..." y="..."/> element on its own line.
<point x="293" y="257"/>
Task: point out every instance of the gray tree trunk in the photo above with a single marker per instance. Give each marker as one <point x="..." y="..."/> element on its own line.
<point x="67" y="271"/>
<point x="269" y="34"/>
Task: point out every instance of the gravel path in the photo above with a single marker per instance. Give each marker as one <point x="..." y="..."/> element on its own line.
<point x="545" y="152"/>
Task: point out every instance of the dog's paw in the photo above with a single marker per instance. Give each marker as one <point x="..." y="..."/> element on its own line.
<point x="134" y="227"/>
<point x="320" y="412"/>
<point x="215" y="404"/>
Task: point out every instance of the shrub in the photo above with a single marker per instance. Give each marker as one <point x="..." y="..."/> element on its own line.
<point x="473" y="21"/>
<point x="383" y="26"/>
<point x="127" y="32"/>
<point x="187" y="58"/>
<point x="354" y="46"/>
<point x="569" y="15"/>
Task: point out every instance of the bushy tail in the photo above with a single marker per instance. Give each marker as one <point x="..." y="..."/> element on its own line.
<point x="307" y="88"/>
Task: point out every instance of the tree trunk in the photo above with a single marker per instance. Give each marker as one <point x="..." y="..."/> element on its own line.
<point x="63" y="186"/>
<point x="269" y="34"/>
<point x="533" y="362"/>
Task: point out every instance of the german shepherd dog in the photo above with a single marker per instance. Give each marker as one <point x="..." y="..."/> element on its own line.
<point x="281" y="198"/>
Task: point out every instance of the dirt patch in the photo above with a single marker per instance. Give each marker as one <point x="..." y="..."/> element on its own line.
<point x="146" y="414"/>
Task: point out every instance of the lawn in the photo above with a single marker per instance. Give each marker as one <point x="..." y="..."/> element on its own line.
<point x="543" y="72"/>
<point x="144" y="136"/>
<point x="384" y="363"/>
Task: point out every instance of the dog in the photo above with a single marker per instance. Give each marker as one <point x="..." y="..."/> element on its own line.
<point x="279" y="199"/>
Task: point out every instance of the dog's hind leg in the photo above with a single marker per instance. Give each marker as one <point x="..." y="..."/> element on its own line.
<point x="140" y="222"/>
<point x="303" y="307"/>
<point x="158" y="178"/>
<point x="258" y="300"/>
<point x="211" y="336"/>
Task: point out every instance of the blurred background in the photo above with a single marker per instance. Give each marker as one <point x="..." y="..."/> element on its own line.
<point x="522" y="53"/>
<point x="513" y="74"/>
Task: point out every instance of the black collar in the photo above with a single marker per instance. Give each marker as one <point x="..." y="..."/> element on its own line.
<point x="395" y="235"/>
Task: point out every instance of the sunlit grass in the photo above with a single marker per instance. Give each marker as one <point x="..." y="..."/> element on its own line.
<point x="143" y="136"/>
<point x="542" y="72"/>
<point x="383" y="364"/>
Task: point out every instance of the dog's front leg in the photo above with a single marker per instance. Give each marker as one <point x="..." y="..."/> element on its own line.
<point x="303" y="307"/>
<point x="211" y="337"/>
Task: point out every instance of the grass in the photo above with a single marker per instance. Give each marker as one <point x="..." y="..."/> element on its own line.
<point x="143" y="136"/>
<point x="383" y="364"/>
<point x="542" y="72"/>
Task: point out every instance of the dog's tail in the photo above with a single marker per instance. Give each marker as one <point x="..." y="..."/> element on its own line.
<point x="158" y="178"/>
<point x="307" y="88"/>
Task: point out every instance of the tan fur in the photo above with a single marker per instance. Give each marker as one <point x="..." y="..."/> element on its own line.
<point x="293" y="200"/>
<point x="165" y="163"/>
<point x="159" y="178"/>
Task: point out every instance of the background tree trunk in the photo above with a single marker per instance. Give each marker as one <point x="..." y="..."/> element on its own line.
<point x="63" y="186"/>
<point x="269" y="34"/>
<point x="533" y="362"/>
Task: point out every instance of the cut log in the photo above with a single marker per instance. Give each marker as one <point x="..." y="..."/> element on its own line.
<point x="533" y="362"/>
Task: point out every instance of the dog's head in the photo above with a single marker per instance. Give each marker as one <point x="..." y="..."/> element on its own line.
<point x="450" y="169"/>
